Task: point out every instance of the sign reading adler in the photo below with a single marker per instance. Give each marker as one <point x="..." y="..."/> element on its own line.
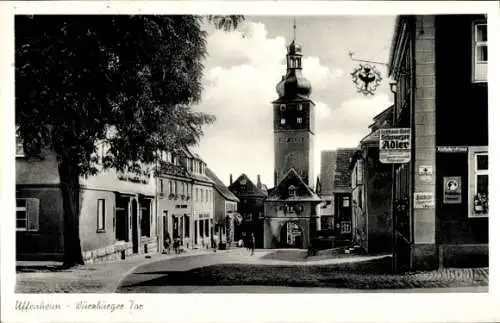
<point x="395" y="145"/>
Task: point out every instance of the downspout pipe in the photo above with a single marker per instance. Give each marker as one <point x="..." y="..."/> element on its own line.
<point x="413" y="36"/>
<point x="393" y="188"/>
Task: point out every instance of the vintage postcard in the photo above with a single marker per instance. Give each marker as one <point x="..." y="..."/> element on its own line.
<point x="248" y="161"/>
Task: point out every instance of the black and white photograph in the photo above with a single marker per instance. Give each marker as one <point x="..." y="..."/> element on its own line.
<point x="233" y="152"/>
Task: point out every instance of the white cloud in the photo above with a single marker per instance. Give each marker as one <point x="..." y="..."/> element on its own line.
<point x="242" y="70"/>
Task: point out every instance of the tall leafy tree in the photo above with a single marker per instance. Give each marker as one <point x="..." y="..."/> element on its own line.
<point x="130" y="80"/>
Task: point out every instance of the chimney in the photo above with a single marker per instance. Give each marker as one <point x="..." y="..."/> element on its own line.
<point x="230" y="179"/>
<point x="259" y="184"/>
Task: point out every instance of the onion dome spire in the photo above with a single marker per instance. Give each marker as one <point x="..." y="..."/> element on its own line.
<point x="293" y="85"/>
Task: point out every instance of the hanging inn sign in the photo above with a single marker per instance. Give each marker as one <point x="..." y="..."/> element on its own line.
<point x="365" y="76"/>
<point x="395" y="145"/>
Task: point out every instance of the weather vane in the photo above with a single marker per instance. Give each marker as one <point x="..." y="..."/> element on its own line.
<point x="366" y="77"/>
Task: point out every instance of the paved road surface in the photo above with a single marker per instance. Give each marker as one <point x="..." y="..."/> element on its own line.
<point x="156" y="270"/>
<point x="235" y="289"/>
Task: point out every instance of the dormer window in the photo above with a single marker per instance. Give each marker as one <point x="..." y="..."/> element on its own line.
<point x="292" y="191"/>
<point x="283" y="121"/>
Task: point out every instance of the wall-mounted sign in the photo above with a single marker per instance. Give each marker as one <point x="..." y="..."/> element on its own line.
<point x="452" y="189"/>
<point x="452" y="149"/>
<point x="423" y="200"/>
<point x="291" y="140"/>
<point x="425" y="173"/>
<point x="133" y="177"/>
<point x="395" y="145"/>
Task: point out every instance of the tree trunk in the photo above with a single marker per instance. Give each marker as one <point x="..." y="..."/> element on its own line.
<point x="70" y="190"/>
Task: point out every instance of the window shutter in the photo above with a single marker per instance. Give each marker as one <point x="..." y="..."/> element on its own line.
<point x="33" y="210"/>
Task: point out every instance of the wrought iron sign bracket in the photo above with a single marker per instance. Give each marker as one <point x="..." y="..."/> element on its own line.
<point x="400" y="72"/>
<point x="351" y="55"/>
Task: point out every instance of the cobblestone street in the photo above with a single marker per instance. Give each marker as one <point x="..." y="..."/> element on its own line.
<point x="92" y="278"/>
<point x="204" y="268"/>
<point x="239" y="268"/>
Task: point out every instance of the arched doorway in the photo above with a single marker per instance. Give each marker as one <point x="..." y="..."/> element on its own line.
<point x="291" y="235"/>
<point x="135" y="233"/>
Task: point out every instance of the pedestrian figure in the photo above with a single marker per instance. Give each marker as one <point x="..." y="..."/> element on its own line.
<point x="176" y="245"/>
<point x="252" y="243"/>
<point x="215" y="242"/>
<point x="166" y="243"/>
<point x="248" y="242"/>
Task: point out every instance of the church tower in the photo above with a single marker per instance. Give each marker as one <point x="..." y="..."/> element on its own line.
<point x="294" y="120"/>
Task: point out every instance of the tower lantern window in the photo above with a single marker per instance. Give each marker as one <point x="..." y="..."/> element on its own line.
<point x="294" y="61"/>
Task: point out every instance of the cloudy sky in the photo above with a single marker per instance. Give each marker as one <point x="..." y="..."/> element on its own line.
<point x="244" y="66"/>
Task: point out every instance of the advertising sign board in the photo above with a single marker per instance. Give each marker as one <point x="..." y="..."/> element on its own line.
<point x="423" y="200"/>
<point x="452" y="189"/>
<point x="395" y="145"/>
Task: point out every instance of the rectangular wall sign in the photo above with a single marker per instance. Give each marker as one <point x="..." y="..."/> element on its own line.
<point x="395" y="145"/>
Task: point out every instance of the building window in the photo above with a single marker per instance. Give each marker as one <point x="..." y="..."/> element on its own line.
<point x="101" y="215"/>
<point x="480" y="41"/>
<point x="479" y="193"/>
<point x="207" y="228"/>
<point x="299" y="107"/>
<point x="345" y="201"/>
<point x="283" y="121"/>
<point x="206" y="195"/>
<point x="292" y="191"/>
<point x="161" y="186"/>
<point x="345" y="227"/>
<point x="282" y="107"/>
<point x="21" y="215"/>
<point x="27" y="214"/>
<point x="201" y="228"/>
<point x="299" y="120"/>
